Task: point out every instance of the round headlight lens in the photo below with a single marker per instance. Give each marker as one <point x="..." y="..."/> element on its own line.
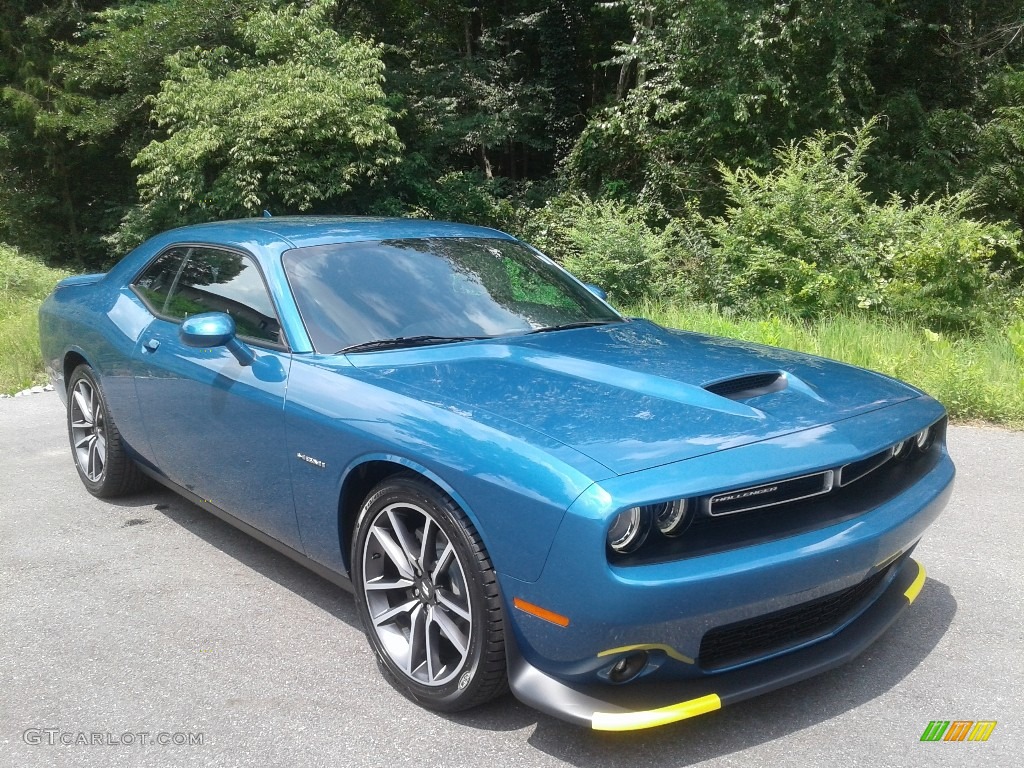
<point x="923" y="439"/>
<point x="671" y="517"/>
<point x="629" y="529"/>
<point x="902" y="449"/>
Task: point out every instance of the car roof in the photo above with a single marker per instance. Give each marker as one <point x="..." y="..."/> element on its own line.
<point x="303" y="231"/>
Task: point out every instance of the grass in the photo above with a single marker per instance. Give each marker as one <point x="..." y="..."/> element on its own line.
<point x="977" y="379"/>
<point x="24" y="283"/>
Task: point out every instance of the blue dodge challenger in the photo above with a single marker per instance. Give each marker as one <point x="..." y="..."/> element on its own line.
<point x="623" y="524"/>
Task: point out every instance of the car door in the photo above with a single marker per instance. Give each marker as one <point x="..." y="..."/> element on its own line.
<point x="216" y="427"/>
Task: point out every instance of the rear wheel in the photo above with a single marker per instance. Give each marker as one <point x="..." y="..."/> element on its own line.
<point x="100" y="457"/>
<point x="428" y="596"/>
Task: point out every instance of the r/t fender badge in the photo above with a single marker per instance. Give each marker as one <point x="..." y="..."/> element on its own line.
<point x="311" y="460"/>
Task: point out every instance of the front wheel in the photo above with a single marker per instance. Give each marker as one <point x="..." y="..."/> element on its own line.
<point x="103" y="464"/>
<point x="428" y="596"/>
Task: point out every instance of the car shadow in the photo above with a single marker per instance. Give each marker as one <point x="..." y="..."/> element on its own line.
<point x="738" y="727"/>
<point x="243" y="548"/>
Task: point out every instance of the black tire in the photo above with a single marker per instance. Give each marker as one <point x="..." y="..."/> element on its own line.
<point x="432" y="611"/>
<point x="99" y="454"/>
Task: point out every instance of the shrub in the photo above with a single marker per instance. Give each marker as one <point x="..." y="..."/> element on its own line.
<point x="469" y="197"/>
<point x="806" y="239"/>
<point x="603" y="242"/>
<point x="936" y="264"/>
<point x="295" y="116"/>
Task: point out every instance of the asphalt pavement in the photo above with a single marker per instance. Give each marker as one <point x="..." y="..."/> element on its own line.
<point x="145" y="632"/>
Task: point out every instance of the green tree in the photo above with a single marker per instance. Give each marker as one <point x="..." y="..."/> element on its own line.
<point x="491" y="96"/>
<point x="76" y="77"/>
<point x="714" y="81"/>
<point x="998" y="172"/>
<point x="293" y="117"/>
<point x="40" y="203"/>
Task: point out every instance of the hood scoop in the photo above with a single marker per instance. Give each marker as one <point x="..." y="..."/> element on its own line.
<point x="749" y="385"/>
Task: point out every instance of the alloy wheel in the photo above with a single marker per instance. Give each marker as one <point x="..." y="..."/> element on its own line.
<point x="414" y="584"/>
<point x="88" y="431"/>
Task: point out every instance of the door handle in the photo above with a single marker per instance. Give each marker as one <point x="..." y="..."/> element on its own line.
<point x="152" y="345"/>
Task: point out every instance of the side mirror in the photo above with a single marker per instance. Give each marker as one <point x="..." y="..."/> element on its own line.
<point x="597" y="291"/>
<point x="214" y="329"/>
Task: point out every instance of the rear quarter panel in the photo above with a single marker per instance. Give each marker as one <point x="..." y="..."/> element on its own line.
<point x="100" y="324"/>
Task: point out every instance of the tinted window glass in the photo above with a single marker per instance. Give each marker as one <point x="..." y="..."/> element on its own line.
<point x="154" y="285"/>
<point x="351" y="293"/>
<point x="188" y="281"/>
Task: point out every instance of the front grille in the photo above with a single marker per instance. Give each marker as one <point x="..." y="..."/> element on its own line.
<point x="770" y="494"/>
<point x="748" y="640"/>
<point x="858" y="469"/>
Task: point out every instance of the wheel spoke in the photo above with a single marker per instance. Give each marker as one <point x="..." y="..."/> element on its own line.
<point x="404" y="537"/>
<point x="394" y="552"/>
<point x="417" y="639"/>
<point x="426" y="544"/>
<point x="442" y="562"/>
<point x="391" y="614"/>
<point x="433" y="658"/>
<point x="436" y="666"/>
<point x="452" y="632"/>
<point x="452" y="606"/>
<point x="94" y="460"/>
<point x="385" y="584"/>
<point x="84" y="405"/>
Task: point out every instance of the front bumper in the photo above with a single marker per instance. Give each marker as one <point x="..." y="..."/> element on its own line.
<point x="650" y="704"/>
<point x="722" y="626"/>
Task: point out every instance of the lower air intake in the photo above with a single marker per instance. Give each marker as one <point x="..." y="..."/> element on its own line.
<point x="748" y="640"/>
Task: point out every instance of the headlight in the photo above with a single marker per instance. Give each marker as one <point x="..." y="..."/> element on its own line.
<point x="629" y="529"/>
<point x="902" y="449"/>
<point x="923" y="439"/>
<point x="671" y="517"/>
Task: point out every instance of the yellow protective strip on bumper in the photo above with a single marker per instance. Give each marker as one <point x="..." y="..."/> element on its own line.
<point x="668" y="650"/>
<point x="915" y="588"/>
<point x="634" y="721"/>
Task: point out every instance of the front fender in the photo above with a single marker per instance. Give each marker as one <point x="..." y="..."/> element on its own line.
<point x="514" y="486"/>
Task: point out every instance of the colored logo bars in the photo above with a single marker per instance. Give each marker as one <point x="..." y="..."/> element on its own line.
<point x="958" y="730"/>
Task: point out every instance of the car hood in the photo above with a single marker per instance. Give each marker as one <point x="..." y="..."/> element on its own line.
<point x="632" y="395"/>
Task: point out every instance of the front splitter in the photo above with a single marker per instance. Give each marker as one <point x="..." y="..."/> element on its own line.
<point x="649" y="704"/>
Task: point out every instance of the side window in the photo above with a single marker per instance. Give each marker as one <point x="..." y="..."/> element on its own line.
<point x="155" y="284"/>
<point x="187" y="281"/>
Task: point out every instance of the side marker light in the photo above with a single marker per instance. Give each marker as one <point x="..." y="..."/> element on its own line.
<point x="541" y="613"/>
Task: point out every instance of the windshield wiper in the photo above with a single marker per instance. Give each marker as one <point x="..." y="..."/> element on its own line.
<point x="404" y="341"/>
<point x="577" y="324"/>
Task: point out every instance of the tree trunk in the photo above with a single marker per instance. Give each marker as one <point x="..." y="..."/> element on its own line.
<point x="66" y="200"/>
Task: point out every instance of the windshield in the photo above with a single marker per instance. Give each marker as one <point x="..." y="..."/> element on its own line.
<point x="350" y="294"/>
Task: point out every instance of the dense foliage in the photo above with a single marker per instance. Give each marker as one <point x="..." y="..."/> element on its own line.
<point x="761" y="155"/>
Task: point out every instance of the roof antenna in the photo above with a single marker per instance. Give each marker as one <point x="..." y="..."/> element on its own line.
<point x="266" y="214"/>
